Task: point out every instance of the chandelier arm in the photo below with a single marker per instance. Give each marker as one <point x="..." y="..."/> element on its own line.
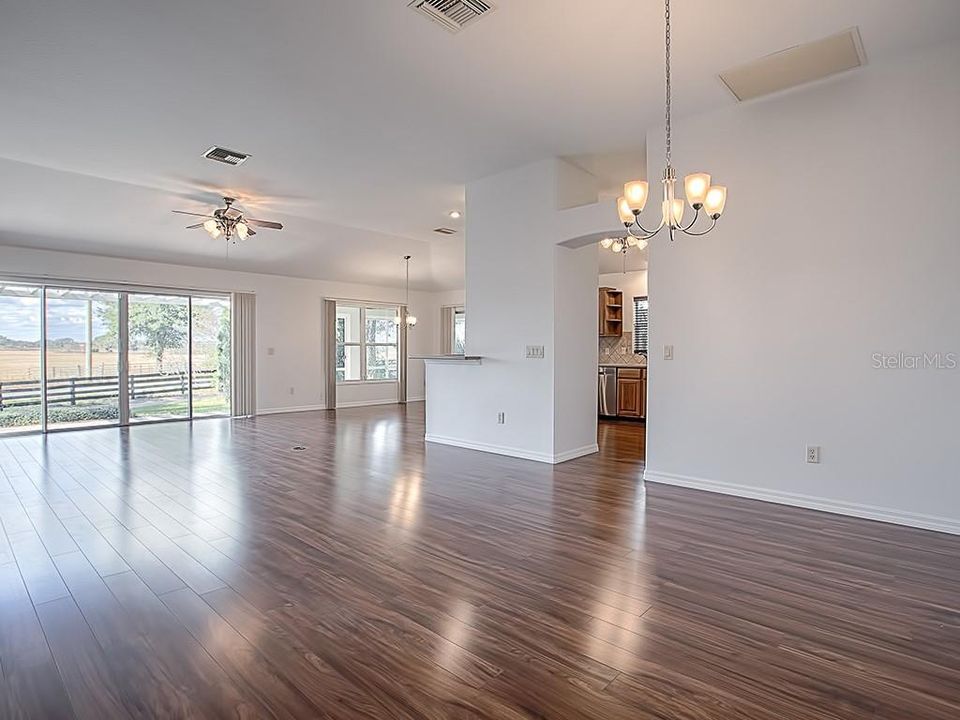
<point x="713" y="224"/>
<point x="696" y="214"/>
<point x="647" y="234"/>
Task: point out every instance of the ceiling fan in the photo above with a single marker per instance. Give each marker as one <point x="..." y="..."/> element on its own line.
<point x="229" y="222"/>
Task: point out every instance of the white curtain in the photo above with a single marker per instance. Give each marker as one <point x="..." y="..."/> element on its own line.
<point x="243" y="357"/>
<point x="446" y="329"/>
<point x="402" y="351"/>
<point x="330" y="353"/>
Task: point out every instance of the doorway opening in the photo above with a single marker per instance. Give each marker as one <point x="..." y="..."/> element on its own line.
<point x="622" y="373"/>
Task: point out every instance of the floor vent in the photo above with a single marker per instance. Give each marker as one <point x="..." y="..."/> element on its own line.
<point x="453" y="15"/>
<point x="444" y="231"/>
<point x="795" y="66"/>
<point x="228" y="157"/>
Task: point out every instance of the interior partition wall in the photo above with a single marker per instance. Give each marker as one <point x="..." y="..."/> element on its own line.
<point x="75" y="355"/>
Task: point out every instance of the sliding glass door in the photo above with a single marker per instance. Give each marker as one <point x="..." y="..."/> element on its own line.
<point x="210" y="349"/>
<point x="88" y="357"/>
<point x="158" y="356"/>
<point x="82" y="361"/>
<point x="21" y="365"/>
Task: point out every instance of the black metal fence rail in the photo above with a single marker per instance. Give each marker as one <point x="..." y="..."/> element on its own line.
<point x="73" y="391"/>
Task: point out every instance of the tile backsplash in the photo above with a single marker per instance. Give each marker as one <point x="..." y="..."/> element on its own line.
<point x="619" y="351"/>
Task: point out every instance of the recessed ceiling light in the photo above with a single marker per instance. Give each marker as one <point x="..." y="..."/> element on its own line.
<point x="455" y="214"/>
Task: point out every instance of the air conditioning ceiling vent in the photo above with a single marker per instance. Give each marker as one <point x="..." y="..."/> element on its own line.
<point x="453" y="15"/>
<point x="228" y="157"/>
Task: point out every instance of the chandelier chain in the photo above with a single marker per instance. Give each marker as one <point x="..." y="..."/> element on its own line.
<point x="706" y="200"/>
<point x="667" y="65"/>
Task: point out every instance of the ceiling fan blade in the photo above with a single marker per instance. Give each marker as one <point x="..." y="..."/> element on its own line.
<point x="191" y="227"/>
<point x="264" y="224"/>
<point x="251" y="232"/>
<point x="184" y="212"/>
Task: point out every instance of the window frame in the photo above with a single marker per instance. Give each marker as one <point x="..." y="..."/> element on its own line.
<point x="636" y="340"/>
<point x="362" y="344"/>
<point x="457" y="310"/>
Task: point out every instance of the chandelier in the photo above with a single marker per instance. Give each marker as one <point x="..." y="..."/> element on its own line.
<point x="702" y="196"/>
<point x="622" y="244"/>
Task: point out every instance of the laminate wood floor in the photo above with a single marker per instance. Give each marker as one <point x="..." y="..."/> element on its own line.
<point x="210" y="570"/>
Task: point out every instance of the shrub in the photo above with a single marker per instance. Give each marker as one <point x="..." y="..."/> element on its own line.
<point x="12" y="417"/>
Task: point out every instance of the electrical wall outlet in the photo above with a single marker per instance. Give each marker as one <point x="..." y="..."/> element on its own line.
<point x="291" y="391"/>
<point x="535" y="352"/>
<point x="501" y="418"/>
<point x="668" y="352"/>
<point x="813" y="454"/>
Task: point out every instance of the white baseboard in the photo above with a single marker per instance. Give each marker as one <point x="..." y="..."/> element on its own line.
<point x="839" y="507"/>
<point x="578" y="452"/>
<point x="365" y="403"/>
<point x="293" y="409"/>
<point x="419" y="398"/>
<point x="511" y="451"/>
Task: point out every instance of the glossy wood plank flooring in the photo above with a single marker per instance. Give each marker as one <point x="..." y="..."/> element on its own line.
<point x="209" y="570"/>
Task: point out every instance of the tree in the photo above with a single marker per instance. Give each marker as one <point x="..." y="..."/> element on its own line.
<point x="157" y="326"/>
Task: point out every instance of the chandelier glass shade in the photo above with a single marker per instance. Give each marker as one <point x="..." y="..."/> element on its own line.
<point x="704" y="198"/>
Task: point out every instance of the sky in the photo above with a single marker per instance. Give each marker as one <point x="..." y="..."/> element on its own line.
<point x="20" y="319"/>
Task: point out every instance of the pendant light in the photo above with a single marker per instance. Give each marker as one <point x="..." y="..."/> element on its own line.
<point x="409" y="319"/>
<point x="701" y="194"/>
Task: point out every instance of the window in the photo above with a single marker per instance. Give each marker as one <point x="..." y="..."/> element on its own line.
<point x="641" y="332"/>
<point x="367" y="348"/>
<point x="459" y="331"/>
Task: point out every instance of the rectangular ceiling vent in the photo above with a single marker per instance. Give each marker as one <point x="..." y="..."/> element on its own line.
<point x="795" y="66"/>
<point x="444" y="231"/>
<point x="454" y="15"/>
<point x="229" y="157"/>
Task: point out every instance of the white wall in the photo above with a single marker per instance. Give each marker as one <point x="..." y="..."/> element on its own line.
<point x="633" y="284"/>
<point x="521" y="289"/>
<point x="839" y="241"/>
<point x="576" y="328"/>
<point x="288" y="319"/>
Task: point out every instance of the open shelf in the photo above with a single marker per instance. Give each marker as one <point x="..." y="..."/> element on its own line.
<point x="611" y="312"/>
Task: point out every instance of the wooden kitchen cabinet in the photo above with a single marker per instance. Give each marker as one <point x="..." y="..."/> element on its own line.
<point x="643" y="395"/>
<point x="631" y="392"/>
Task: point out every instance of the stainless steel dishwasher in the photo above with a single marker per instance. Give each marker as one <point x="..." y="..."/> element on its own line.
<point x="607" y="401"/>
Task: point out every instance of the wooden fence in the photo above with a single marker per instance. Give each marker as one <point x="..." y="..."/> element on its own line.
<point x="71" y="391"/>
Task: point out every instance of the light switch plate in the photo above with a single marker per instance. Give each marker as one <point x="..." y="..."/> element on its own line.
<point x="668" y="352"/>
<point x="535" y="352"/>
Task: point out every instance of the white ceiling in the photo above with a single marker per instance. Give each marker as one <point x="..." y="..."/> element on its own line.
<point x="364" y="119"/>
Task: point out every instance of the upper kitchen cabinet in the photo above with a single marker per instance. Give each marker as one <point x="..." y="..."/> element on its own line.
<point x="611" y="312"/>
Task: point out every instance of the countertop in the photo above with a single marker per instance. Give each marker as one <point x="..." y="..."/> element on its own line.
<point x="462" y="359"/>
<point x="621" y="365"/>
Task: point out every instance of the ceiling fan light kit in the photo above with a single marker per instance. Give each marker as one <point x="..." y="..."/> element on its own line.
<point x="700" y="193"/>
<point x="230" y="223"/>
